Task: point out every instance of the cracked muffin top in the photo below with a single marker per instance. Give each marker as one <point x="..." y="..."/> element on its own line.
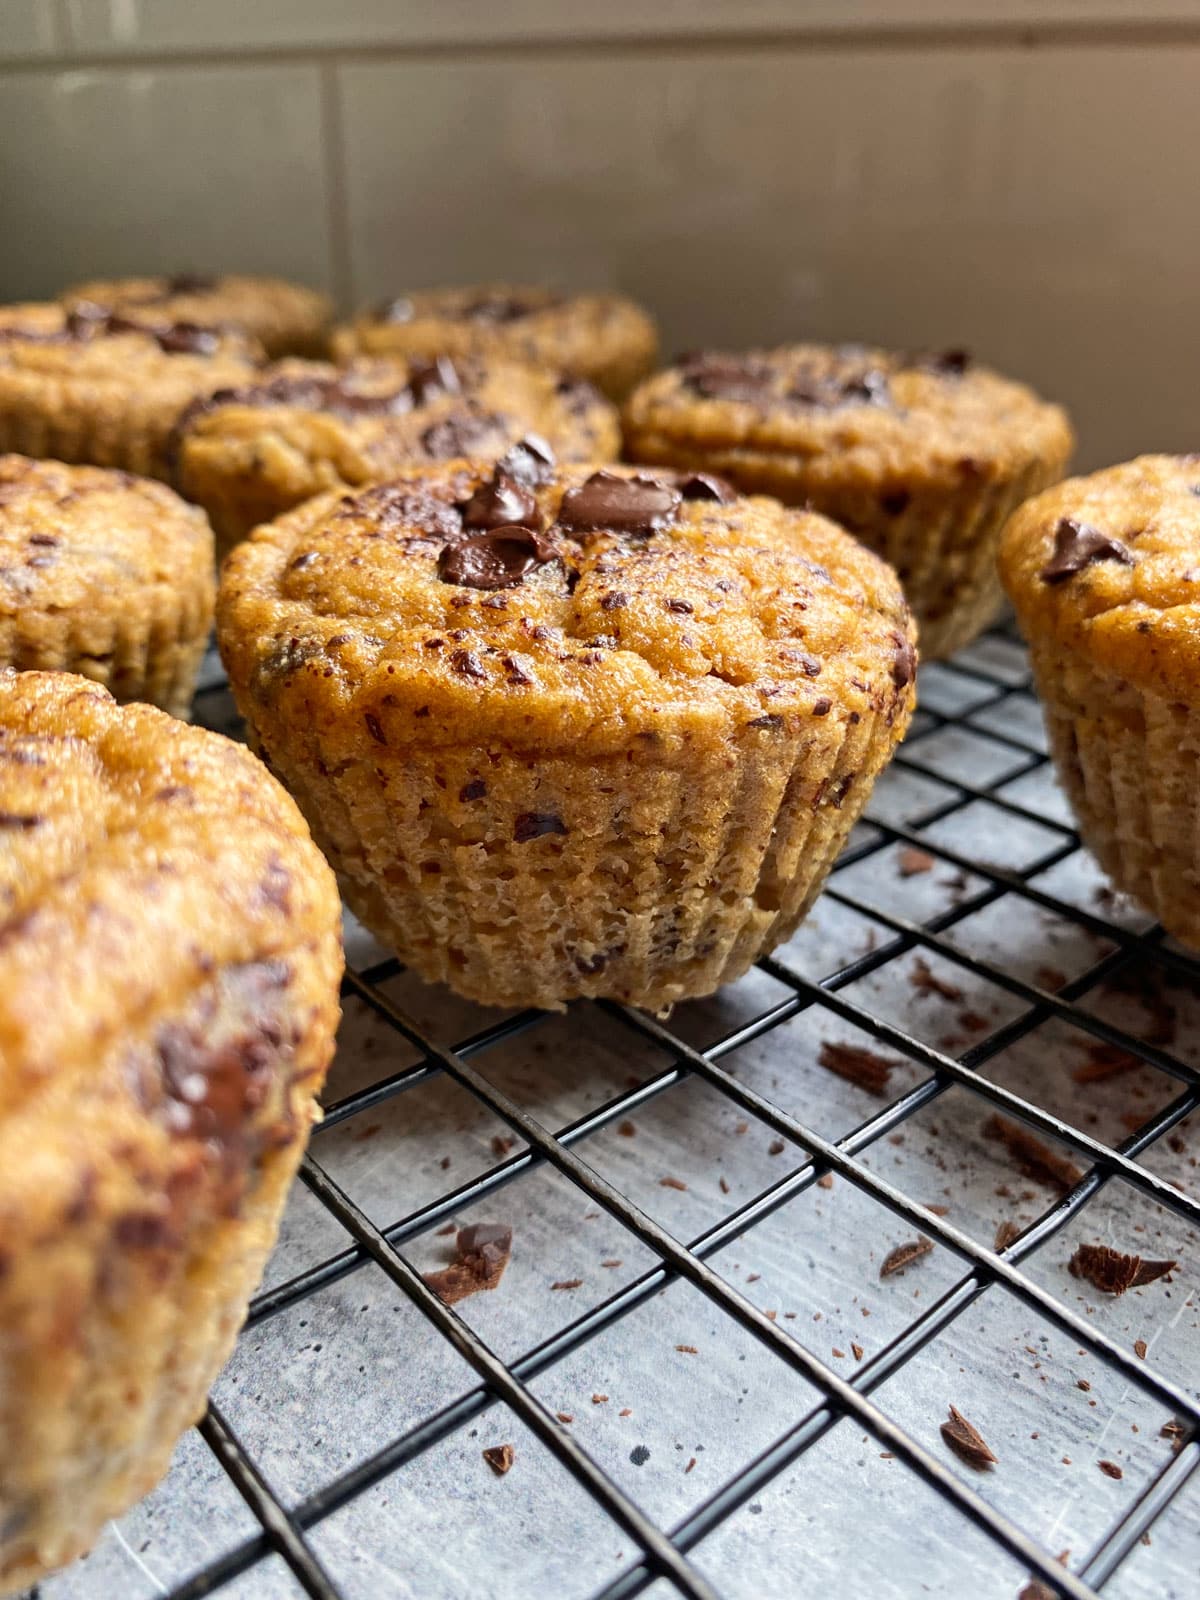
<point x="286" y="318"/>
<point x="564" y="607"/>
<point x="602" y="337"/>
<point x="844" y="411"/>
<point x="1110" y="565"/>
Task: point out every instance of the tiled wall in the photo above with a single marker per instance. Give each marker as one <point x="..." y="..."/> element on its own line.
<point x="1019" y="176"/>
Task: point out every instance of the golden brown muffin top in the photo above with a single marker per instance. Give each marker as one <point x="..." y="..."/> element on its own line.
<point x="1109" y="565"/>
<point x="563" y="607"/>
<point x="373" y="417"/>
<point x="78" y="536"/>
<point x="852" y="408"/>
<point x="138" y="856"/>
<point x="119" y="347"/>
<point x="561" y="330"/>
<point x="256" y="305"/>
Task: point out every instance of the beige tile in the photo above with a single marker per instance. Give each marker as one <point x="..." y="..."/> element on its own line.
<point x="1025" y="203"/>
<point x="128" y="171"/>
<point x="164" y="25"/>
<point x="27" y="28"/>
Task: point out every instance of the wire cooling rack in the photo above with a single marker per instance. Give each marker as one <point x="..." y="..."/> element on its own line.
<point x="709" y="1388"/>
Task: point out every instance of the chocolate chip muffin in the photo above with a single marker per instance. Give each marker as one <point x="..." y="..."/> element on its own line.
<point x="105" y="575"/>
<point x="604" y="338"/>
<point x="285" y="318"/>
<point x="567" y="731"/>
<point x="251" y="453"/>
<point x="921" y="457"/>
<point x="169" y="966"/>
<point x="1104" y="575"/>
<point x="106" y="389"/>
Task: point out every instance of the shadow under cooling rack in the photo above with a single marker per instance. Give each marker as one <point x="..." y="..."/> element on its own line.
<point x="709" y="1387"/>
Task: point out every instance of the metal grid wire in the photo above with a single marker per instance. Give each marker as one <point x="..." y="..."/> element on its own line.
<point x="665" y="1552"/>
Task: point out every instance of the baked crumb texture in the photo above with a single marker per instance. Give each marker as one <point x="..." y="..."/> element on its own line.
<point x="106" y="388"/>
<point x="106" y="575"/>
<point x="570" y="731"/>
<point x="921" y="456"/>
<point x="287" y="319"/>
<point x="605" y="338"/>
<point x="169" y="965"/>
<point x="1104" y="575"/>
<point x="251" y="453"/>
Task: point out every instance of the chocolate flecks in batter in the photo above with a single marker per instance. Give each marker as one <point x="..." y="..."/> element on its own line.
<point x="683" y="607"/>
<point x="822" y="707"/>
<point x="636" y="506"/>
<point x="275" y="889"/>
<point x="617" y="600"/>
<point x="468" y="665"/>
<point x="517" y="670"/>
<point x="500" y="502"/>
<point x="896" y="502"/>
<point x="536" y="824"/>
<point x="530" y="461"/>
<point x="1076" y="546"/>
<point x="375" y="727"/>
<point x="475" y="790"/>
<point x="191" y="283"/>
<point x="830" y="389"/>
<point x="47" y="540"/>
<point x="499" y="559"/>
<point x="503" y="308"/>
<point x="769" y="720"/>
<point x="19" y="820"/>
<point x="904" y="662"/>
<point x="953" y="363"/>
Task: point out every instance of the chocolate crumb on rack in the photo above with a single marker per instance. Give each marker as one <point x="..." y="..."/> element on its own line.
<point x="499" y="1457"/>
<point x="1035" y="1158"/>
<point x="866" y="1069"/>
<point x="967" y="1442"/>
<point x="1112" y="1271"/>
<point x="482" y="1252"/>
<point x="904" y="1255"/>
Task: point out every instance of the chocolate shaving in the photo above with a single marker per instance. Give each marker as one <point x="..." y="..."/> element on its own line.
<point x="912" y="862"/>
<point x="1035" y="1158"/>
<point x="1112" y="1271"/>
<point x="482" y="1253"/>
<point x="1104" y="1061"/>
<point x="1006" y="1232"/>
<point x="1175" y="1431"/>
<point x="672" y="1183"/>
<point x="863" y="1068"/>
<point x="499" y="1457"/>
<point x="1035" y="1589"/>
<point x="926" y="980"/>
<point x="1139" y="1349"/>
<point x="904" y="1255"/>
<point x="1110" y="1469"/>
<point x="567" y="1283"/>
<point x="967" y="1442"/>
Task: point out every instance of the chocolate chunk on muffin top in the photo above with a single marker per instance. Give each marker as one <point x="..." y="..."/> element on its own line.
<point x="568" y="604"/>
<point x="1109" y="566"/>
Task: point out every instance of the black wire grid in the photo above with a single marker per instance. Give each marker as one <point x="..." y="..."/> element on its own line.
<point x="665" y="1552"/>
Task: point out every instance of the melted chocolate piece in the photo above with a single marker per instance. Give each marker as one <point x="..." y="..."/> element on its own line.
<point x="868" y="386"/>
<point x="1077" y="545"/>
<point x="904" y="662"/>
<point x="530" y="461"/>
<point x="90" y="321"/>
<point x="728" y="377"/>
<point x="499" y="503"/>
<point x="706" y="486"/>
<point x="952" y="362"/>
<point x="396" y="508"/>
<point x="497" y="559"/>
<point x="428" y="379"/>
<point x="458" y="434"/>
<point x="191" y="283"/>
<point x="636" y="506"/>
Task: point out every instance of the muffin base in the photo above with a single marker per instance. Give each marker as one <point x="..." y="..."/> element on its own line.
<point x="647" y="883"/>
<point x="1130" y="763"/>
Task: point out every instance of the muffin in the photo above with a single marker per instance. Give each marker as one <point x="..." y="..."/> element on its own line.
<point x="1104" y="575"/>
<point x="169" y="974"/>
<point x="566" y="731"/>
<point x="921" y="457"/>
<point x="285" y="318"/>
<point x="106" y="389"/>
<point x="251" y="453"/>
<point x="604" y="338"/>
<point x="105" y="575"/>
